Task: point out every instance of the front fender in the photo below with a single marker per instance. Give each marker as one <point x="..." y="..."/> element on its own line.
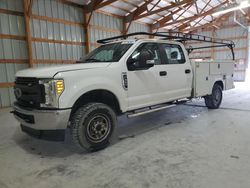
<point x="75" y="89"/>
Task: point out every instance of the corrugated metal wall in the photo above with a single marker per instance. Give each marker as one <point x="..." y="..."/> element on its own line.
<point x="58" y="36"/>
<point x="103" y="26"/>
<point x="239" y="36"/>
<point x="10" y="48"/>
<point x="44" y="29"/>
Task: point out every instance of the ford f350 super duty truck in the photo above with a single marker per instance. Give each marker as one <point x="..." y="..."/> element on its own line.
<point x="123" y="75"/>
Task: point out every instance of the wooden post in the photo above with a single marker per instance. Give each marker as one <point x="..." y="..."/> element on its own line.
<point x="125" y="27"/>
<point x="26" y="9"/>
<point x="213" y="50"/>
<point x="151" y="30"/>
<point x="87" y="17"/>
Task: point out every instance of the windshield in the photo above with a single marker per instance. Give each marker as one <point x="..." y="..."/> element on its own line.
<point x="107" y="53"/>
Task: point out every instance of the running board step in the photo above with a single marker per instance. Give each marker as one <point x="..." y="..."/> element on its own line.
<point x="135" y="114"/>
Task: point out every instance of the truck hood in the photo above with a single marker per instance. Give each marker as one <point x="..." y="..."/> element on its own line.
<point x="49" y="72"/>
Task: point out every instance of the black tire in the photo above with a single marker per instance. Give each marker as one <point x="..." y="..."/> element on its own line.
<point x="213" y="101"/>
<point x="92" y="126"/>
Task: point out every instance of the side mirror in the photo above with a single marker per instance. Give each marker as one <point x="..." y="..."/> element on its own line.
<point x="144" y="61"/>
<point x="150" y="63"/>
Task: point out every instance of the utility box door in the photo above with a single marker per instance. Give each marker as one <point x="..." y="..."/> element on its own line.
<point x="201" y="78"/>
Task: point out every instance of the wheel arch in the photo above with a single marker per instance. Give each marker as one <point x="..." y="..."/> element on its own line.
<point x="220" y="83"/>
<point x="98" y="95"/>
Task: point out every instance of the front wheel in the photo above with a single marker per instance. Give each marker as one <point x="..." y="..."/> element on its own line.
<point x="92" y="126"/>
<point x="213" y="101"/>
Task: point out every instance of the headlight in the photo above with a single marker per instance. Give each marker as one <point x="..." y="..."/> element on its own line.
<point x="53" y="90"/>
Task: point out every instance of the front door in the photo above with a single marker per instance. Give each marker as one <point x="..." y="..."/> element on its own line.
<point x="144" y="85"/>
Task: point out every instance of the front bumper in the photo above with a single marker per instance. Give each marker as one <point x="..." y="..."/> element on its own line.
<point x="42" y="119"/>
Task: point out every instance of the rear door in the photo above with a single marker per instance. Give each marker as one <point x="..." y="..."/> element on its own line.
<point x="178" y="81"/>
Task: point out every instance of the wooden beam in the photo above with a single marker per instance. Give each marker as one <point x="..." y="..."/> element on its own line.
<point x="169" y="17"/>
<point x="12" y="12"/>
<point x="245" y="14"/>
<point x="136" y="5"/>
<point x="30" y="7"/>
<point x="87" y="17"/>
<point x="140" y="9"/>
<point x="7" y="84"/>
<point x="217" y="20"/>
<point x="125" y="26"/>
<point x="16" y="61"/>
<point x="196" y="7"/>
<point x="57" y="41"/>
<point x="15" y="37"/>
<point x="155" y="5"/>
<point x="71" y="3"/>
<point x="53" y="61"/>
<point x="193" y="12"/>
<point x="183" y="26"/>
<point x="28" y="33"/>
<point x="203" y="9"/>
<point x="91" y="6"/>
<point x="161" y="9"/>
<point x="56" y="20"/>
<point x="103" y="4"/>
<point x="192" y="18"/>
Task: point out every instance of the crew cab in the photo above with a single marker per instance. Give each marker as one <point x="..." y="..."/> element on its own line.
<point x="132" y="76"/>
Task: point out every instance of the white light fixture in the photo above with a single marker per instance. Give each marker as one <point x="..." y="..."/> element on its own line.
<point x="243" y="4"/>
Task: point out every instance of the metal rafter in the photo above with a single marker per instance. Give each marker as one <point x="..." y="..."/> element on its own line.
<point x="205" y="6"/>
<point x="203" y="10"/>
<point x="166" y="8"/>
<point x="210" y="24"/>
<point x="127" y="21"/>
<point x="169" y="16"/>
<point x="193" y="18"/>
<point x="194" y="13"/>
<point x="103" y="4"/>
<point x="181" y="28"/>
<point x="197" y="9"/>
<point x="136" y="6"/>
<point x="137" y="11"/>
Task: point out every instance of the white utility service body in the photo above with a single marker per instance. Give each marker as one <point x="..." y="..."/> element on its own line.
<point x="212" y="71"/>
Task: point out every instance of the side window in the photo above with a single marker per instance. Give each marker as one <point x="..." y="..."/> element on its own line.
<point x="174" y="53"/>
<point x="150" y="47"/>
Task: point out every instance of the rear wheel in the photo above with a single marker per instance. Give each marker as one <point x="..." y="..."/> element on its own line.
<point x="92" y="126"/>
<point x="213" y="101"/>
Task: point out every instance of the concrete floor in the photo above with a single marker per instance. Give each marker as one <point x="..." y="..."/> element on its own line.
<point x="185" y="146"/>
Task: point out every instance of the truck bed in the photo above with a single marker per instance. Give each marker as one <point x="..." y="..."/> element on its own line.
<point x="207" y="72"/>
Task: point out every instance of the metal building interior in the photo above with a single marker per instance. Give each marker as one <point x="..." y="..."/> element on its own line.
<point x="184" y="146"/>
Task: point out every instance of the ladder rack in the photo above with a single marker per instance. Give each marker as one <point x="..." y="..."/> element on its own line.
<point x="180" y="37"/>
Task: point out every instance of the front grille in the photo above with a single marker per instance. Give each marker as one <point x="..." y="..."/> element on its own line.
<point x="28" y="92"/>
<point x="26" y="81"/>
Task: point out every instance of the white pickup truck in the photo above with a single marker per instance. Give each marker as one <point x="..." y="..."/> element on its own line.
<point x="133" y="76"/>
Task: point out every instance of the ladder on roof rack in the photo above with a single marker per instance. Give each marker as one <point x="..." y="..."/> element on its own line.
<point x="180" y="37"/>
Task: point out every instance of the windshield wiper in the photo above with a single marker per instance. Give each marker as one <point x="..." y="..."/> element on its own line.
<point x="93" y="60"/>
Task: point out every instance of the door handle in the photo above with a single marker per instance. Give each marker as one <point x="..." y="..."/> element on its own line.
<point x="163" y="73"/>
<point x="187" y="71"/>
